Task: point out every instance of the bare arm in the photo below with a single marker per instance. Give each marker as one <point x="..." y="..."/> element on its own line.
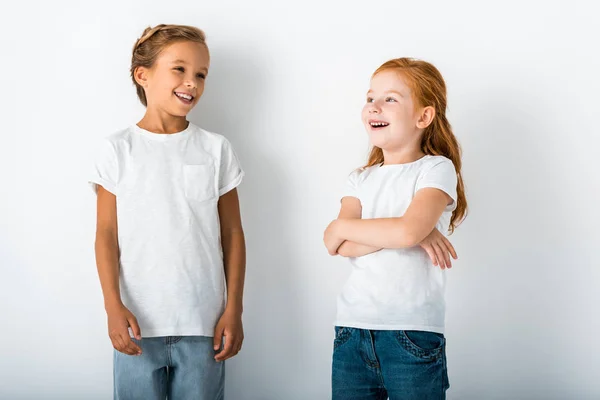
<point x="234" y="258"/>
<point x="107" y="262"/>
<point x="409" y="230"/>
<point x="352" y="209"/>
<point x="107" y="247"/>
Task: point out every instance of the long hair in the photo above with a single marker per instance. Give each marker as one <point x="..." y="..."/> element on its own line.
<point x="429" y="90"/>
<point x="153" y="41"/>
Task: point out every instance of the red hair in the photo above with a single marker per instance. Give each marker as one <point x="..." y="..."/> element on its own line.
<point x="429" y="90"/>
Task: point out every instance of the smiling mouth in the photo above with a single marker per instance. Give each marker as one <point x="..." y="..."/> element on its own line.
<point x="186" y="98"/>
<point x="378" y="124"/>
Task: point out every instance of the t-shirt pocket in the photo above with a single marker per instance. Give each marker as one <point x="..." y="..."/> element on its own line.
<point x="199" y="182"/>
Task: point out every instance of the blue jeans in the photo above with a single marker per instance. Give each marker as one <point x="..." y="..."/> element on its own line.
<point x="401" y="365"/>
<point x="180" y="367"/>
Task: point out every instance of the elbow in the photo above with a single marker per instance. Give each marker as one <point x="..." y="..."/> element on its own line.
<point x="105" y="237"/>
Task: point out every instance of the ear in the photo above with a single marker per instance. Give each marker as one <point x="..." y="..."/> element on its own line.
<point x="426" y="118"/>
<point x="141" y="76"/>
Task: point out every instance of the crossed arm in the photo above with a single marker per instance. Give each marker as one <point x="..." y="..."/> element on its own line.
<point x="351" y="236"/>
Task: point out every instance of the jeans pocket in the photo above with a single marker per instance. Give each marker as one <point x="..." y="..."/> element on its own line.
<point x="422" y="344"/>
<point x="342" y="334"/>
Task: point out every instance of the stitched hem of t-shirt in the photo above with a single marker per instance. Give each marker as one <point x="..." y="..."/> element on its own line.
<point x="104" y="183"/>
<point x="233" y="184"/>
<point x="385" y="327"/>
<point x="146" y="333"/>
<point x="452" y="206"/>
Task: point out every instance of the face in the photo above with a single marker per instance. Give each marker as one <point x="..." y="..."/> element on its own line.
<point x="389" y="115"/>
<point x="175" y="82"/>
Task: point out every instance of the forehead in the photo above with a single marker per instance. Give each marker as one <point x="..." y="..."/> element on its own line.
<point x="389" y="80"/>
<point x="185" y="53"/>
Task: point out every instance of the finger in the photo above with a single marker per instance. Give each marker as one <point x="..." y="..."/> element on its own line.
<point x="451" y="248"/>
<point x="217" y="340"/>
<point x="446" y="254"/>
<point x="135" y="327"/>
<point x="124" y="344"/>
<point x="118" y="344"/>
<point x="133" y="347"/>
<point x="227" y="350"/>
<point x="331" y="250"/>
<point x="440" y="256"/>
<point x="130" y="344"/>
<point x="431" y="254"/>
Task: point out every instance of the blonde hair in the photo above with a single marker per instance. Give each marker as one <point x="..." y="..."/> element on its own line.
<point x="153" y="41"/>
<point x="429" y="90"/>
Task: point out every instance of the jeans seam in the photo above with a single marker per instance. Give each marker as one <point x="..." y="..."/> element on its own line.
<point x="376" y="365"/>
<point x="342" y="336"/>
<point x="175" y="339"/>
<point x="417" y="351"/>
<point x="168" y="350"/>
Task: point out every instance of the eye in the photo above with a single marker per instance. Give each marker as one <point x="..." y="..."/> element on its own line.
<point x="390" y="100"/>
<point x="180" y="69"/>
<point x="201" y="76"/>
<point x="369" y="100"/>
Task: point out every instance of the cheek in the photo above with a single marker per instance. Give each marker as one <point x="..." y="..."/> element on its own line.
<point x="396" y="114"/>
<point x="365" y="113"/>
<point x="166" y="86"/>
<point x="200" y="86"/>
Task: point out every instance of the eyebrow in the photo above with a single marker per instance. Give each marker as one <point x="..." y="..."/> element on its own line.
<point x="389" y="91"/>
<point x="204" y="69"/>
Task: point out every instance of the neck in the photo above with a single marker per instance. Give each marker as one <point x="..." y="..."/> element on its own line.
<point x="402" y="155"/>
<point x="161" y="122"/>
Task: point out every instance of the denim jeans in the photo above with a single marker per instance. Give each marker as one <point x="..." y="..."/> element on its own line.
<point x="401" y="365"/>
<point x="180" y="367"/>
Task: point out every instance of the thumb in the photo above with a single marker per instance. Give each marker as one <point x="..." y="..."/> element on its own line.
<point x="135" y="327"/>
<point x="218" y="337"/>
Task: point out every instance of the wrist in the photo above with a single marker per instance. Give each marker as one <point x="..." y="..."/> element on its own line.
<point x="111" y="303"/>
<point x="234" y="308"/>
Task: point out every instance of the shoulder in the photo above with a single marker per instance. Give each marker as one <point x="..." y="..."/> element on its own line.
<point x="214" y="143"/>
<point x="119" y="138"/>
<point x="207" y="136"/>
<point x="436" y="162"/>
<point x="113" y="144"/>
<point x="359" y="175"/>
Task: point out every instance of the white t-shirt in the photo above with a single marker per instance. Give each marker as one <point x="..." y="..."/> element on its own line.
<point x="397" y="289"/>
<point x="167" y="187"/>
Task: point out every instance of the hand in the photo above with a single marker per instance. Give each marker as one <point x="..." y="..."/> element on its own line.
<point x="119" y="320"/>
<point x="230" y="327"/>
<point x="439" y="249"/>
<point x="331" y="237"/>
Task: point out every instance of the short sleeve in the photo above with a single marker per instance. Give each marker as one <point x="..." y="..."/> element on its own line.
<point x="442" y="176"/>
<point x="230" y="171"/>
<point x="350" y="189"/>
<point x="105" y="170"/>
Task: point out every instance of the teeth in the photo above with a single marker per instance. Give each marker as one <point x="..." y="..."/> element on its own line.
<point x="184" y="96"/>
<point x="378" y="124"/>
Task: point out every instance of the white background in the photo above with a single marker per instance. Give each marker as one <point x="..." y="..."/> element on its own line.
<point x="286" y="86"/>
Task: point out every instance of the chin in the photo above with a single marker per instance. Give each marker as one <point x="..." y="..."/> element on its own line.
<point x="378" y="140"/>
<point x="178" y="112"/>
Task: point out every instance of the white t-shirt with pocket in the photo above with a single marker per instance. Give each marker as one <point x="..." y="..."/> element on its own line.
<point x="397" y="289"/>
<point x="167" y="187"/>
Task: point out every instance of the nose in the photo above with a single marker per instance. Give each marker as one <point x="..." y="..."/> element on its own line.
<point x="374" y="108"/>
<point x="190" y="84"/>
